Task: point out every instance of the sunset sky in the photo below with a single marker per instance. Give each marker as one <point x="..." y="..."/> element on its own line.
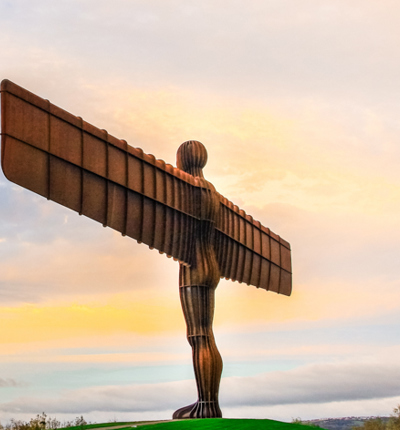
<point x="298" y="104"/>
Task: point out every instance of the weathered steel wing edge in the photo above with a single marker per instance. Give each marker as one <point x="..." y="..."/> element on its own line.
<point x="65" y="159"/>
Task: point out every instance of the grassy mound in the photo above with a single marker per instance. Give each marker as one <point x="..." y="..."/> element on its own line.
<point x="225" y="423"/>
<point x="206" y="424"/>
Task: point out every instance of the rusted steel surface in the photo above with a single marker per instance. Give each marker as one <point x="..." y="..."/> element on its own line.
<point x="65" y="159"/>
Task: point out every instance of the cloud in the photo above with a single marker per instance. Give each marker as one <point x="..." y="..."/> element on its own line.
<point x="293" y="51"/>
<point x="138" y="398"/>
<point x="310" y="384"/>
<point x="49" y="252"/>
<point x="9" y="382"/>
<point x="316" y="383"/>
<point x="124" y="314"/>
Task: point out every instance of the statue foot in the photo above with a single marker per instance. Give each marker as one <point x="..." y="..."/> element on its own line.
<point x="198" y="410"/>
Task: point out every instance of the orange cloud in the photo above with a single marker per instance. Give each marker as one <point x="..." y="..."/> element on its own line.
<point x="32" y="323"/>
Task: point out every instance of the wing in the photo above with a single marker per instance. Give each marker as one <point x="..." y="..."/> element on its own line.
<point x="63" y="158"/>
<point x="248" y="252"/>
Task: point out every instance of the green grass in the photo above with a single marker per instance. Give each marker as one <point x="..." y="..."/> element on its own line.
<point x="99" y="426"/>
<point x="225" y="423"/>
<point x="205" y="424"/>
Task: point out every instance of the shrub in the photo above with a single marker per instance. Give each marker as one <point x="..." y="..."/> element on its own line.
<point x="42" y="422"/>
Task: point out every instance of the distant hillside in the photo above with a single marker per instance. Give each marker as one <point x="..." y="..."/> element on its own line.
<point x="345" y="423"/>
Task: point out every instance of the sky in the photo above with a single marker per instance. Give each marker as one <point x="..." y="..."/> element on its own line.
<point x="297" y="103"/>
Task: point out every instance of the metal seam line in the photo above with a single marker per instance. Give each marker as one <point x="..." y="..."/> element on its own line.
<point x="48" y="150"/>
<point x="105" y="224"/>
<point x="126" y="188"/>
<point x="82" y="164"/>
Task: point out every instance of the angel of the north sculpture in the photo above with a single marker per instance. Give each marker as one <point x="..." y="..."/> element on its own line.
<point x="172" y="209"/>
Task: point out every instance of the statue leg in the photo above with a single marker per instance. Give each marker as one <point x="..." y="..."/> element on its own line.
<point x="198" y="308"/>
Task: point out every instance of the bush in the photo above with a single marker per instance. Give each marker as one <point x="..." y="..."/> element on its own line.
<point x="42" y="422"/>
<point x="394" y="421"/>
<point x="372" y="424"/>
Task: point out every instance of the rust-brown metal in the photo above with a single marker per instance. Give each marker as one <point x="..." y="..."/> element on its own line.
<point x="174" y="210"/>
<point x="197" y="285"/>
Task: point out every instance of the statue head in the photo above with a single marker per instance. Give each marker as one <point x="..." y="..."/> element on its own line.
<point x="192" y="157"/>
